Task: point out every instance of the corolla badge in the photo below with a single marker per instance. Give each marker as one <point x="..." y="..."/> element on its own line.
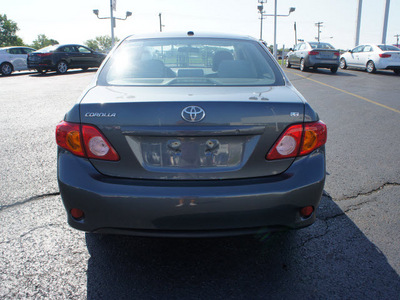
<point x="193" y="114"/>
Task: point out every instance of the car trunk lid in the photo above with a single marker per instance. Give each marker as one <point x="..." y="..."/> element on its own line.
<point x="156" y="138"/>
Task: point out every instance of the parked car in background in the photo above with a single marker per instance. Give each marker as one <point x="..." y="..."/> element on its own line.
<point x="313" y="55"/>
<point x="190" y="135"/>
<point x="60" y="58"/>
<point x="372" y="57"/>
<point x="14" y="59"/>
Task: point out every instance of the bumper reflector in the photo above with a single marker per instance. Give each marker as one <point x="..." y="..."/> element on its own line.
<point x="306" y="211"/>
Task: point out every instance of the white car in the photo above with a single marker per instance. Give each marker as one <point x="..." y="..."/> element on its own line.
<point x="13" y="59"/>
<point x="372" y="57"/>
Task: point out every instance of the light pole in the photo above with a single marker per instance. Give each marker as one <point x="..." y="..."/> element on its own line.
<point x="397" y="37"/>
<point x="292" y="9"/>
<point x="112" y="18"/>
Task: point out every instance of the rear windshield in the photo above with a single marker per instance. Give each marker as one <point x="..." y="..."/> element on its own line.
<point x="48" y="49"/>
<point x="321" y="46"/>
<point x="388" y="48"/>
<point x="191" y="62"/>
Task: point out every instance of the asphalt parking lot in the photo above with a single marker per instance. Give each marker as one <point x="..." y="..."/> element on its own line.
<point x="351" y="252"/>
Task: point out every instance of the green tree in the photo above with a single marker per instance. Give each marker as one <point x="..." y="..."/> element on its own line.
<point x="43" y="41"/>
<point x="100" y="43"/>
<point x="8" y="30"/>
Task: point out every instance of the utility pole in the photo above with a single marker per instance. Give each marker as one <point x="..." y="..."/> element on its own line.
<point x="319" y="25"/>
<point x="358" y="26"/>
<point x="397" y="41"/>
<point x="161" y="25"/>
<point x="262" y="12"/>
<point x="295" y="33"/>
<point x="385" y="22"/>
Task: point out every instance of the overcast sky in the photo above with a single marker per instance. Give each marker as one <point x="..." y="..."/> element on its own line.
<point x="73" y="21"/>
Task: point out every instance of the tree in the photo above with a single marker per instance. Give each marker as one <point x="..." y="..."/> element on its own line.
<point x="43" y="41"/>
<point x="100" y="43"/>
<point x="8" y="29"/>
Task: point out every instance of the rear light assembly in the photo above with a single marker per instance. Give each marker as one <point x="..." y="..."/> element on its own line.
<point x="336" y="53"/>
<point x="299" y="140"/>
<point x="312" y="52"/>
<point x="85" y="141"/>
<point x="44" y="54"/>
<point x="384" y="55"/>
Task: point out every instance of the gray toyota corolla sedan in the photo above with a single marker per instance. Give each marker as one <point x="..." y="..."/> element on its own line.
<point x="190" y="135"/>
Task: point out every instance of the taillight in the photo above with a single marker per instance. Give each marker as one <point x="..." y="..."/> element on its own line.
<point x="84" y="140"/>
<point x="299" y="140"/>
<point x="336" y="53"/>
<point x="312" y="52"/>
<point x="44" y="54"/>
<point x="385" y="55"/>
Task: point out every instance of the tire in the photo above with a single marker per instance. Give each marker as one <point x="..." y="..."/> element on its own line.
<point x="343" y="64"/>
<point x="41" y="71"/>
<point x="6" y="69"/>
<point x="288" y="64"/>
<point x="396" y="71"/>
<point x="85" y="69"/>
<point x="371" y="67"/>
<point x="62" y="67"/>
<point x="334" y="70"/>
<point x="303" y="67"/>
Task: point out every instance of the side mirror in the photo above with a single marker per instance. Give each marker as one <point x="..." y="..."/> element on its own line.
<point x="351" y="51"/>
<point x="290" y="49"/>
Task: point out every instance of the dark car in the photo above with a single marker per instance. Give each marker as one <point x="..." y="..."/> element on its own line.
<point x="314" y="55"/>
<point x="190" y="135"/>
<point x="60" y="58"/>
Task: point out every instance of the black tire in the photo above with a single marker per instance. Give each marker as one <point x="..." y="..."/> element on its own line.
<point x="334" y="70"/>
<point x="343" y="64"/>
<point x="371" y="67"/>
<point x="6" y="69"/>
<point x="396" y="71"/>
<point x="288" y="64"/>
<point x="85" y="69"/>
<point x="41" y="71"/>
<point x="303" y="67"/>
<point x="62" y="67"/>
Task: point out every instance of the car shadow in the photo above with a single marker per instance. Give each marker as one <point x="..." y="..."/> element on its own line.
<point x="17" y="73"/>
<point x="340" y="72"/>
<point x="330" y="259"/>
<point x="69" y="72"/>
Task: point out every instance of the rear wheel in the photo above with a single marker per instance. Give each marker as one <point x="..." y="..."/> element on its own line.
<point x="371" y="67"/>
<point x="396" y="71"/>
<point x="343" y="64"/>
<point x="62" y="67"/>
<point x="334" y="70"/>
<point x="288" y="64"/>
<point x="41" y="71"/>
<point x="303" y="67"/>
<point x="6" y="69"/>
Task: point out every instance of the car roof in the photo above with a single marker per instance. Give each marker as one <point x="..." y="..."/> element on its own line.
<point x="189" y="34"/>
<point x="14" y="47"/>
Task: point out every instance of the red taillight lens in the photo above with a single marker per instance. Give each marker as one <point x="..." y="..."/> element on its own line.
<point x="336" y="53"/>
<point x="86" y="141"/>
<point x="312" y="52"/>
<point x="96" y="144"/>
<point x="288" y="144"/>
<point x="44" y="54"/>
<point x="384" y="55"/>
<point x="299" y="140"/>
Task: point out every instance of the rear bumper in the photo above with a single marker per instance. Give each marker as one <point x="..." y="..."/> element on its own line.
<point x="190" y="208"/>
<point x="322" y="63"/>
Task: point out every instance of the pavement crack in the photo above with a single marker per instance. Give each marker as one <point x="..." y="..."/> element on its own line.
<point x="387" y="184"/>
<point x="34" y="198"/>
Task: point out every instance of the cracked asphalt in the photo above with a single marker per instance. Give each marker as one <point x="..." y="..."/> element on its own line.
<point x="351" y="252"/>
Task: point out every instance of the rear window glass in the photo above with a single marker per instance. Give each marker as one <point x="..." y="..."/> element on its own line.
<point x="321" y="46"/>
<point x="191" y="62"/>
<point x="48" y="49"/>
<point x="388" y="48"/>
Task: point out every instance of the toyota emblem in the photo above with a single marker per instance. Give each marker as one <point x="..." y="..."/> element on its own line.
<point x="193" y="114"/>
